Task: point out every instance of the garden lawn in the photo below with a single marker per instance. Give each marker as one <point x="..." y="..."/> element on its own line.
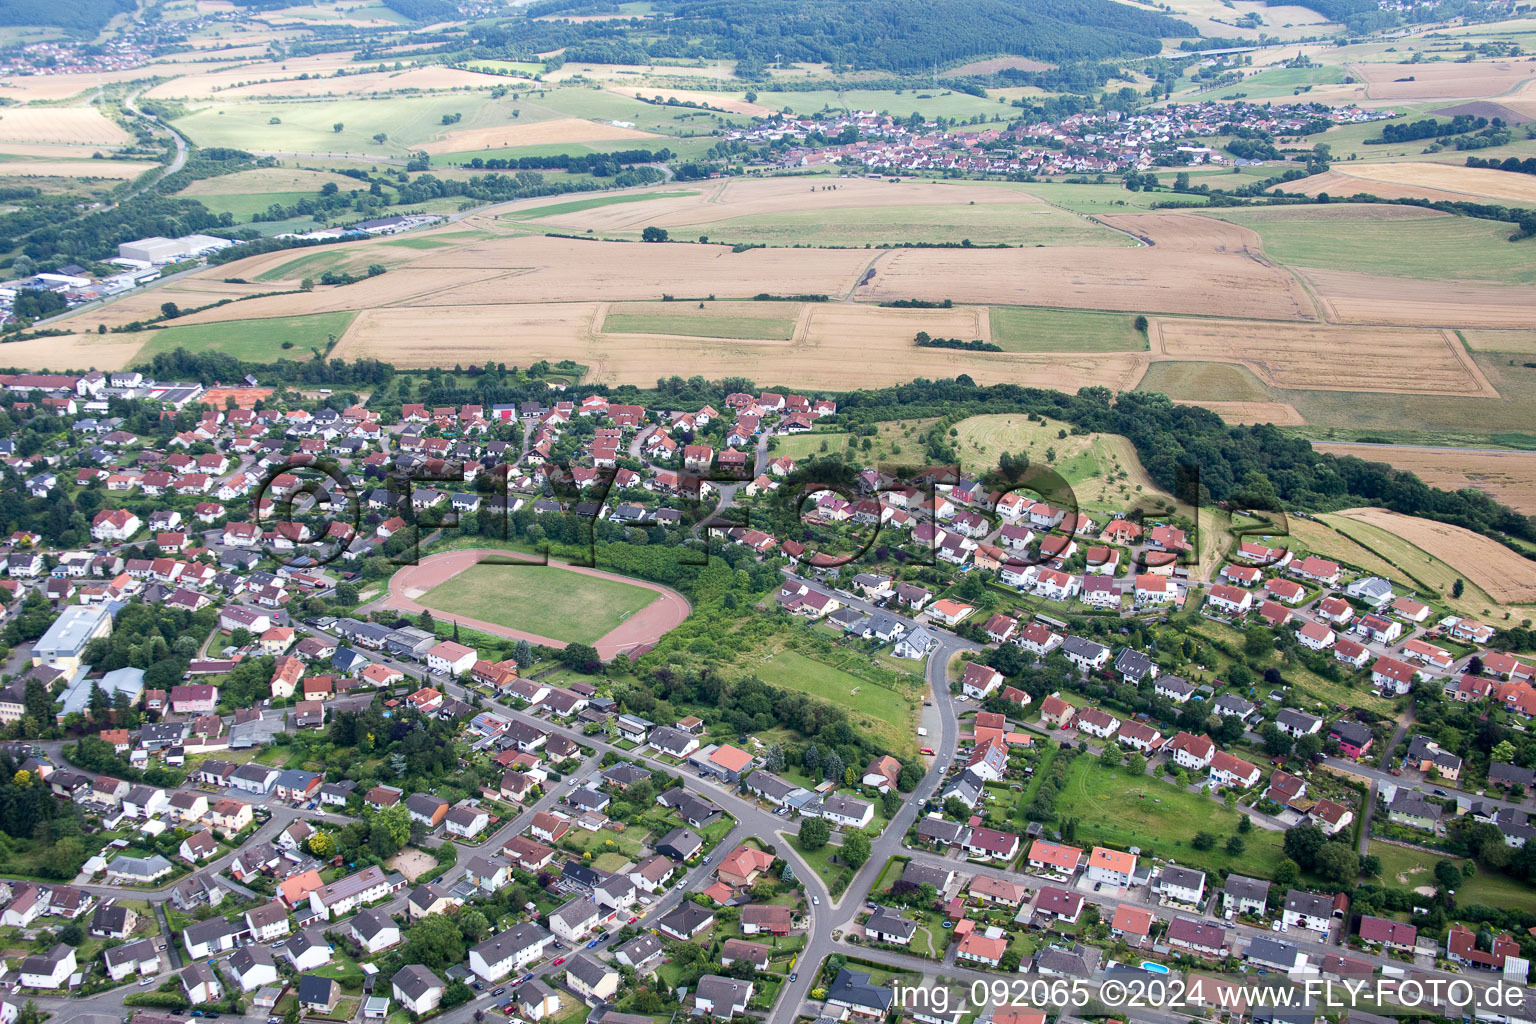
<point x="542" y="599"/>
<point x="1115" y="809"/>
<point x="836" y="876"/>
<point x="1403" y="868"/>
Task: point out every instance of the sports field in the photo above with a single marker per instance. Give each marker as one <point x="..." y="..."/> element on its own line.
<point x="886" y="712"/>
<point x="256" y="341"/>
<point x="546" y="600"/>
<point x="1113" y="808"/>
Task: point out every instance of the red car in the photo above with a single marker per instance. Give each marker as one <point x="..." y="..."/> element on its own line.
<point x="926" y="750"/>
<point x="558" y="962"/>
<point x="633" y="920"/>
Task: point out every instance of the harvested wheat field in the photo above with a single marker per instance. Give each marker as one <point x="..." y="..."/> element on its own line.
<point x="828" y="342"/>
<point x="718" y="100"/>
<point x="402" y="287"/>
<point x="114" y="169"/>
<point x="1337" y="183"/>
<point x="1351" y="297"/>
<point x="562" y="269"/>
<point x="1281" y="414"/>
<point x="1136" y="280"/>
<point x="534" y="133"/>
<point x="1321" y="357"/>
<point x="1188" y="232"/>
<point x="1505" y="575"/>
<point x="144" y="303"/>
<point x="1506" y="476"/>
<point x="1478" y="80"/>
<point x="1419" y="179"/>
<point x="52" y="88"/>
<point x="82" y="126"/>
<point x="70" y="352"/>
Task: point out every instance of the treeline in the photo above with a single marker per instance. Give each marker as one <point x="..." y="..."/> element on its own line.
<point x="1429" y="128"/>
<point x="425" y="10"/>
<point x="924" y="341"/>
<point x="905" y="36"/>
<point x="82" y="17"/>
<point x="206" y="367"/>
<point x="1512" y="164"/>
<point x="576" y="163"/>
<point x="1184" y="447"/>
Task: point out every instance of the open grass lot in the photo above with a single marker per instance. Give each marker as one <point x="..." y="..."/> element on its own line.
<point x="1023" y="329"/>
<point x="804" y="446"/>
<point x="1406" y="868"/>
<point x="1112" y="807"/>
<point x="257" y="341"/>
<point x="761" y="321"/>
<point x="1102" y="469"/>
<point x="886" y="712"/>
<point x="549" y="601"/>
<point x="1406" y="246"/>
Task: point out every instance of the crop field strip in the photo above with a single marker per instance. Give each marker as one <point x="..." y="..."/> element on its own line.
<point x="1323" y="357"/>
<point x="1506" y="476"/>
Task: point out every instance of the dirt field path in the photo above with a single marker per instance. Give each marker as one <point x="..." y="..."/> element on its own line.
<point x="646" y="626"/>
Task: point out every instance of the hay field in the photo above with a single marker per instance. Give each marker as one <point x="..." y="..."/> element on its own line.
<point x="1504" y="575"/>
<point x="834" y="345"/>
<point x="1357" y="298"/>
<point x="761" y="321"/>
<point x="115" y="169"/>
<point x="1402" y="243"/>
<point x="1506" y="476"/>
<point x="144" y="303"/>
<point x="716" y="204"/>
<point x="1281" y="414"/>
<point x="1135" y="280"/>
<point x="81" y="126"/>
<point x="243" y="84"/>
<point x="269" y="180"/>
<point x="1523" y="342"/>
<point x="719" y="100"/>
<point x="1444" y="180"/>
<point x="535" y="133"/>
<point x="70" y="352"/>
<point x="1478" y="80"/>
<point x="1321" y="357"/>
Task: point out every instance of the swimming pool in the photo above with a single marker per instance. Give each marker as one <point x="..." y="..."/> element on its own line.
<point x="1148" y="965"/>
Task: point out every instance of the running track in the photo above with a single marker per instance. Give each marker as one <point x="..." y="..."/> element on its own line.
<point x="645" y="626"/>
